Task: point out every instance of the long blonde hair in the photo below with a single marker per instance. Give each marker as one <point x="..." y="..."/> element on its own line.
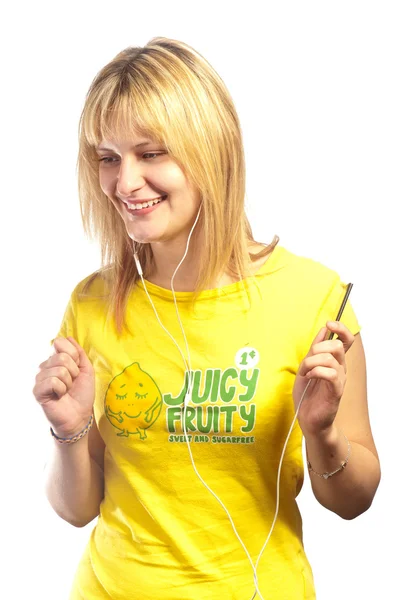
<point x="169" y="92"/>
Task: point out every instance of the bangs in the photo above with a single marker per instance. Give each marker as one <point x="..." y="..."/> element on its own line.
<point x="117" y="114"/>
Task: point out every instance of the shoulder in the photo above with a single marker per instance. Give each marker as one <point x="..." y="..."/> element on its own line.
<point x="306" y="270"/>
<point x="296" y="269"/>
<point x="310" y="288"/>
<point x="93" y="286"/>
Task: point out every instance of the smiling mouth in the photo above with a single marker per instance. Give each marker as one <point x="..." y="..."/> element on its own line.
<point x="137" y="206"/>
<point x="132" y="416"/>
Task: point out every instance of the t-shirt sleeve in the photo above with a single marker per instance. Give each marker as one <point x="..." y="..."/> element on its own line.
<point x="68" y="325"/>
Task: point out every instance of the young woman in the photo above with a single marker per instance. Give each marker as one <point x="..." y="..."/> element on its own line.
<point x="180" y="365"/>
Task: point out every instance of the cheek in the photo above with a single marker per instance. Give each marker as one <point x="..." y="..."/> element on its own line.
<point x="181" y="189"/>
<point x="106" y="181"/>
<point x="102" y="180"/>
<point x="108" y="187"/>
<point x="174" y="178"/>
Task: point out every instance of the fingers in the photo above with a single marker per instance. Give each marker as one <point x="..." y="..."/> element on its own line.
<point x="330" y="353"/>
<point x="51" y="388"/>
<point x="59" y="370"/>
<point x="327" y="356"/>
<point x="345" y="338"/>
<point x="66" y="346"/>
<point x="330" y="375"/>
<point x="342" y="332"/>
<point x="323" y="360"/>
<point x="334" y="347"/>
<point x="83" y="362"/>
<point x="320" y="336"/>
<point x="65" y="373"/>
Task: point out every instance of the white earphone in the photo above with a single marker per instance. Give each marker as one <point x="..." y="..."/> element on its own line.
<point x="188" y="398"/>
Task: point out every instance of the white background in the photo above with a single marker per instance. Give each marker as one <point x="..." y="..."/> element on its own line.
<point x="316" y="87"/>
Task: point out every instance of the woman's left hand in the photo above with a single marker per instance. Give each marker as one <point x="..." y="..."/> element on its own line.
<point x="325" y="365"/>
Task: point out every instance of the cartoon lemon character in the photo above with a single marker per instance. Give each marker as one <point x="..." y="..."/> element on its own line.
<point x="133" y="401"/>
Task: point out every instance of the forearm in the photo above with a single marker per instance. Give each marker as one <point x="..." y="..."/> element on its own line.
<point x="349" y="492"/>
<point x="74" y="483"/>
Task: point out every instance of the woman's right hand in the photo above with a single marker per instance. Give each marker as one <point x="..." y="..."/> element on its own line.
<point x="65" y="388"/>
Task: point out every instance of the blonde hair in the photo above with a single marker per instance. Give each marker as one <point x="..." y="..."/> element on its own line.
<point x="170" y="93"/>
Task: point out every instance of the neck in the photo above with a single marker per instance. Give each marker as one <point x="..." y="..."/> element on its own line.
<point x="167" y="256"/>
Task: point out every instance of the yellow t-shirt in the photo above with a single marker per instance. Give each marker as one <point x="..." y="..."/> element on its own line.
<point x="160" y="533"/>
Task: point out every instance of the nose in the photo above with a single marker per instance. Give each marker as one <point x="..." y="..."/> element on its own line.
<point x="130" y="177"/>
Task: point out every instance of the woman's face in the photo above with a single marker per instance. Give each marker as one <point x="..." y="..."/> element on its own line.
<point x="138" y="170"/>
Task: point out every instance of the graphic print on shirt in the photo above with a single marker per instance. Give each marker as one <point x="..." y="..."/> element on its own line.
<point x="220" y="403"/>
<point x="133" y="401"/>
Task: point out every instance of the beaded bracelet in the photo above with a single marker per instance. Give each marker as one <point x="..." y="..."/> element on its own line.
<point x="76" y="437"/>
<point x="342" y="466"/>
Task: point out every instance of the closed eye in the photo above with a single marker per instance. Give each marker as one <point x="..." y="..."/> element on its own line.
<point x="121" y="397"/>
<point x="153" y="154"/>
<point x="106" y="159"/>
<point x="141" y="395"/>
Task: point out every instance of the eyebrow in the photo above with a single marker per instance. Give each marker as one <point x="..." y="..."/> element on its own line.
<point x="145" y="143"/>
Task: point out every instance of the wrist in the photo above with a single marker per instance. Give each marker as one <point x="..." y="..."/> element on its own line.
<point x="327" y="453"/>
<point x="327" y="437"/>
<point x="74" y="435"/>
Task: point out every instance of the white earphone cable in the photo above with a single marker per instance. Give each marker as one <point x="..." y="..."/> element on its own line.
<point x="187" y="400"/>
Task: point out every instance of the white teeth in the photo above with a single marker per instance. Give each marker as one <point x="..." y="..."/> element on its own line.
<point x="137" y="206"/>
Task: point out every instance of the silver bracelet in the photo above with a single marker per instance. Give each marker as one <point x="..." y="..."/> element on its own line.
<point x="342" y="466"/>
<point x="75" y="438"/>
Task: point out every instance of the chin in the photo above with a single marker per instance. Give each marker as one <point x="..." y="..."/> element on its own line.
<point x="147" y="238"/>
<point x="153" y="236"/>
